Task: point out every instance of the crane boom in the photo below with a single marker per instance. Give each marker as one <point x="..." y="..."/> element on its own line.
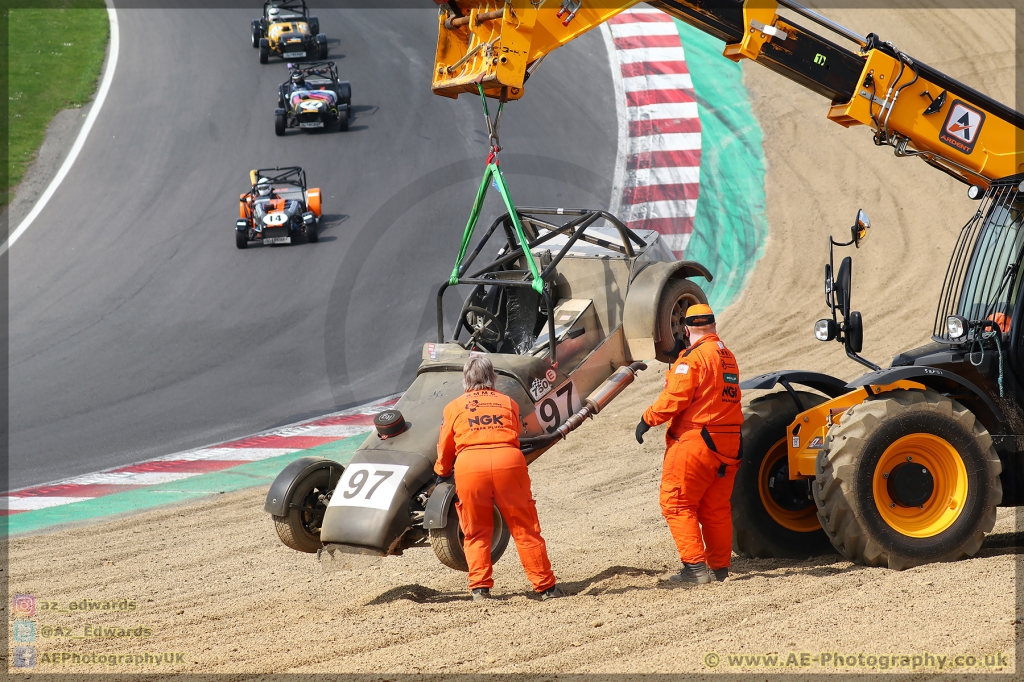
<point x="917" y="110"/>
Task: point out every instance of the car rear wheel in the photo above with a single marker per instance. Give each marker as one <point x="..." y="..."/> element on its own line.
<point x="241" y="239"/>
<point x="300" y="528"/>
<point x="280" y="124"/>
<point x="676" y="297"/>
<point x="447" y="542"/>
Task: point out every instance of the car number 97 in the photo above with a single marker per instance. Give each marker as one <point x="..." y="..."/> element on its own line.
<point x="558" y="406"/>
<point x="368" y="485"/>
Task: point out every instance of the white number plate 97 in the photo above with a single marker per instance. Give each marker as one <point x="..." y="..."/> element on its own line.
<point x="558" y="406"/>
<point x="368" y="485"/>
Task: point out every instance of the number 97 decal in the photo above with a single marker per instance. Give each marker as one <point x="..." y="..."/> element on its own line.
<point x="368" y="485"/>
<point x="558" y="406"/>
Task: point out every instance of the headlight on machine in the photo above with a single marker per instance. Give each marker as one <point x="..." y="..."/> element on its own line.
<point x="956" y="326"/>
<point x="825" y="330"/>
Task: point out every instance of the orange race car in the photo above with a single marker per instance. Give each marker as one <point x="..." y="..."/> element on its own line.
<point x="278" y="208"/>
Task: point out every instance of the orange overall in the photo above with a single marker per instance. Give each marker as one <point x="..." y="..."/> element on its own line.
<point x="701" y="401"/>
<point x="480" y="435"/>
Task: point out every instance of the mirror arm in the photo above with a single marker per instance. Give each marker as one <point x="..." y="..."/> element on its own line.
<point x="867" y="363"/>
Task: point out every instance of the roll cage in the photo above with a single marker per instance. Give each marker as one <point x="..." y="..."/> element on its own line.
<point x="310" y="70"/>
<point x="500" y="283"/>
<point x="280" y="179"/>
<point x="298" y="7"/>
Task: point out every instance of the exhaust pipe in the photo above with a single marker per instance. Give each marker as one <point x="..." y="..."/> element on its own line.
<point x="596" y="401"/>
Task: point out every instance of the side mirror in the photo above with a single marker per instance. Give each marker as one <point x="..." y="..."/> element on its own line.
<point x="842" y="286"/>
<point x="854" y="332"/>
<point x="861" y="227"/>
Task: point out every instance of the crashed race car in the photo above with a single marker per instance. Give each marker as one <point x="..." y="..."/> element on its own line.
<point x="278" y="209"/>
<point x="564" y="323"/>
<point x="313" y="99"/>
<point x="287" y="30"/>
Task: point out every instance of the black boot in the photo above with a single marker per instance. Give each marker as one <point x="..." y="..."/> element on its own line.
<point x="481" y="594"/>
<point x="721" y="574"/>
<point x="551" y="593"/>
<point x="694" y="574"/>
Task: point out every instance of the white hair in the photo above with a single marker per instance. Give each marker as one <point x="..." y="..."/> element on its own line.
<point x="478" y="374"/>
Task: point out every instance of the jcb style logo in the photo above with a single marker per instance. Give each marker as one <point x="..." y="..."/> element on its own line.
<point x="962" y="127"/>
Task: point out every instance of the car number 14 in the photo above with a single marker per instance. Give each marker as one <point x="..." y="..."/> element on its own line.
<point x="558" y="406"/>
<point x="368" y="485"/>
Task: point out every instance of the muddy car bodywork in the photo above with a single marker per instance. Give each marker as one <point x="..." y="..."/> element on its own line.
<point x="611" y="296"/>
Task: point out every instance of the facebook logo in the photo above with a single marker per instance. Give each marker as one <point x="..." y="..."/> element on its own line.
<point x="24" y="657"/>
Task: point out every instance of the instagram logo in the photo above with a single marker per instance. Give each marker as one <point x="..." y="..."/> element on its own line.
<point x="24" y="606"/>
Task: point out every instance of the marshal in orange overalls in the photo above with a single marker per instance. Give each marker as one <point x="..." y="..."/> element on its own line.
<point x="480" y="435"/>
<point x="701" y="402"/>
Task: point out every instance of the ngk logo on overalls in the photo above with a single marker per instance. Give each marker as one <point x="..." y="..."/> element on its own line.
<point x="490" y="420"/>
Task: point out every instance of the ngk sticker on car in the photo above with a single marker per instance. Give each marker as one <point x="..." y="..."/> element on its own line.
<point x="558" y="406"/>
<point x="368" y="485"/>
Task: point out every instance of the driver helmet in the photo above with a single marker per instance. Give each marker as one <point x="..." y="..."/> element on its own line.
<point x="298" y="80"/>
<point x="263" y="187"/>
<point x="273" y="12"/>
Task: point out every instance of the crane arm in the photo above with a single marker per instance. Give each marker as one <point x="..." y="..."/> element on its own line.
<point x="909" y="106"/>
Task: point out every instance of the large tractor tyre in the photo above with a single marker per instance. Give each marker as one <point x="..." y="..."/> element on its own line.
<point x="447" y="542"/>
<point x="676" y="297"/>
<point x="772" y="516"/>
<point x="300" y="529"/>
<point x="241" y="239"/>
<point x="907" y="478"/>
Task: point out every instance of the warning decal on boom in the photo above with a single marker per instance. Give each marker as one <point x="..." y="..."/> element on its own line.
<point x="962" y="127"/>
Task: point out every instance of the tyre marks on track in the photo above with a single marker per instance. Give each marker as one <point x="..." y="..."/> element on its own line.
<point x="664" y="133"/>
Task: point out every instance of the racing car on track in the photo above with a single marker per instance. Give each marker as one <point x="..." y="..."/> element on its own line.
<point x="564" y="323"/>
<point x="313" y="99"/>
<point x="278" y="208"/>
<point x="287" y="30"/>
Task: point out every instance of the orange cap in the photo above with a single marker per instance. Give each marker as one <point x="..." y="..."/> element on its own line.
<point x="699" y="315"/>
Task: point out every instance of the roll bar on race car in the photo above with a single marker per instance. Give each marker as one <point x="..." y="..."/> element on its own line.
<point x="289" y="175"/>
<point x="495" y="274"/>
<point x="314" y="69"/>
<point x="298" y="6"/>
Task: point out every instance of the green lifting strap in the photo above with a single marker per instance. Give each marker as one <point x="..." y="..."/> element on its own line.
<point x="492" y="172"/>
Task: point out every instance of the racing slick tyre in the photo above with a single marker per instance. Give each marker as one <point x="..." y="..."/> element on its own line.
<point x="311" y="234"/>
<point x="447" y="542"/>
<point x="907" y="478"/>
<point x="772" y="516"/>
<point x="300" y="529"/>
<point x="264" y="51"/>
<point x="241" y="239"/>
<point x="676" y="297"/>
<point x="343" y="116"/>
<point x="280" y="124"/>
<point x="256" y="33"/>
<point x="322" y="51"/>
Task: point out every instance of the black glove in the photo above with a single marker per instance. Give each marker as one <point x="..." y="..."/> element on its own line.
<point x="641" y="429"/>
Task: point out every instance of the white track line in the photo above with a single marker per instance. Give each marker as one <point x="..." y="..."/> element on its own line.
<point x="101" y="95"/>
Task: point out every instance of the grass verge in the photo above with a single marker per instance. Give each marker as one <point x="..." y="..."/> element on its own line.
<point x="55" y="52"/>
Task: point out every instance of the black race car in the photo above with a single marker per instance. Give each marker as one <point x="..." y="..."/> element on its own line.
<point x="313" y="98"/>
<point x="287" y="30"/>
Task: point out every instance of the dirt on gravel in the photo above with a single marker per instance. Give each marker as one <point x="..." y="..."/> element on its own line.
<point x="212" y="582"/>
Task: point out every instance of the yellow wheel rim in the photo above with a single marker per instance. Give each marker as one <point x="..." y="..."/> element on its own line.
<point x="949" y="491"/>
<point x="801" y="521"/>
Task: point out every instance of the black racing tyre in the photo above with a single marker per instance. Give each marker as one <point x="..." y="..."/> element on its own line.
<point x="345" y="93"/>
<point x="280" y="124"/>
<point x="772" y="516"/>
<point x="241" y="239"/>
<point x="676" y="297"/>
<point x="314" y="25"/>
<point x="264" y="54"/>
<point x="300" y="529"/>
<point x="256" y="36"/>
<point x="322" y="51"/>
<point x="343" y="117"/>
<point x="447" y="542"/>
<point x="907" y="478"/>
<point x="311" y="234"/>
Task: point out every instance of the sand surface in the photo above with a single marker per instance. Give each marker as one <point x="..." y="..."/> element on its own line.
<point x="212" y="581"/>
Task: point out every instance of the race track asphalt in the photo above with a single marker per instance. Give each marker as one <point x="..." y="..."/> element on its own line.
<point x="137" y="329"/>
